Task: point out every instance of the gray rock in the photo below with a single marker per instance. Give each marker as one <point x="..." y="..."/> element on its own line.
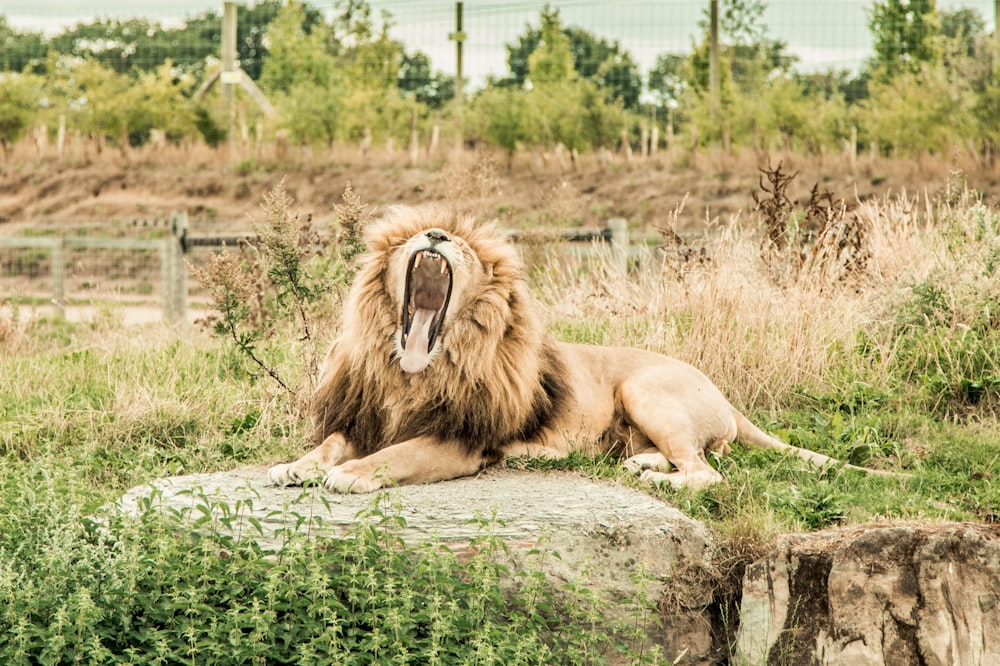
<point x="622" y="542"/>
<point x="900" y="594"/>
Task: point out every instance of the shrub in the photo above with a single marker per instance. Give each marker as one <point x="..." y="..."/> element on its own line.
<point x="149" y="589"/>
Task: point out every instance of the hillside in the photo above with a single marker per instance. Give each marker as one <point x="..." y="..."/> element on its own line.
<point x="219" y="194"/>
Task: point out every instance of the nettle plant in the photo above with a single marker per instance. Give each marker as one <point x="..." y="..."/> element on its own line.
<point x="286" y="280"/>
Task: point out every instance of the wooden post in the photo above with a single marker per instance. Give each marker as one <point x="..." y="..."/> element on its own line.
<point x="61" y="136"/>
<point x="414" y="141"/>
<point x="59" y="277"/>
<point x="177" y="269"/>
<point x="229" y="76"/>
<point x="852" y="148"/>
<point x="459" y="37"/>
<point x="166" y="290"/>
<point x="618" y="227"/>
<point x="713" y="59"/>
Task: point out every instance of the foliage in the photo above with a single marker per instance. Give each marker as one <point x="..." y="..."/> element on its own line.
<point x="557" y="107"/>
<point x="171" y="588"/>
<point x="20" y="51"/>
<point x="904" y="32"/>
<point x="433" y="89"/>
<point x="341" y="77"/>
<point x="918" y="111"/>
<point x="18" y="105"/>
<point x="301" y="76"/>
<point x="606" y="64"/>
<point x="289" y="278"/>
<point x="947" y="326"/>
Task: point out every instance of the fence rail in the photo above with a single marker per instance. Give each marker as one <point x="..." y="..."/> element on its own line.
<point x="81" y="268"/>
<point x="69" y="270"/>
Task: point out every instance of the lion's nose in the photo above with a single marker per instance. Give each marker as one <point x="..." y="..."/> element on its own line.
<point x="437" y="236"/>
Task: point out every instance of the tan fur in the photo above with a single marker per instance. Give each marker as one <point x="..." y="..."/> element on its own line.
<point x="494" y="384"/>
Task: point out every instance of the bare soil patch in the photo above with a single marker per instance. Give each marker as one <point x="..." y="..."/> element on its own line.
<point x="218" y="192"/>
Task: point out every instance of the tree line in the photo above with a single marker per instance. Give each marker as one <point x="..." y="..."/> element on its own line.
<point x="931" y="85"/>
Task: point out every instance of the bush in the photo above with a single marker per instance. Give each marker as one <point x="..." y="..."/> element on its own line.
<point x="151" y="589"/>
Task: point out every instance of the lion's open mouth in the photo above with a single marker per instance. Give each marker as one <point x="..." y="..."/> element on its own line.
<point x="425" y="302"/>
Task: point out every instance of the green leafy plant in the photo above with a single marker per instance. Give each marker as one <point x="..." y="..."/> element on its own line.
<point x="216" y="596"/>
<point x="285" y="277"/>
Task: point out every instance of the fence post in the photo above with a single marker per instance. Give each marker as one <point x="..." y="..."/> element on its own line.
<point x="59" y="277"/>
<point x="618" y="228"/>
<point x="176" y="286"/>
<point x="166" y="291"/>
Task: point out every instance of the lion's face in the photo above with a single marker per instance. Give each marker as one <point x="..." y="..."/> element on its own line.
<point x="433" y="274"/>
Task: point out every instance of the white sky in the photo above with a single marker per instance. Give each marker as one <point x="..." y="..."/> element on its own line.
<point x="823" y="33"/>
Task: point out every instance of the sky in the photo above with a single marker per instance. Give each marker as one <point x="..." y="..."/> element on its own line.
<point x="824" y="34"/>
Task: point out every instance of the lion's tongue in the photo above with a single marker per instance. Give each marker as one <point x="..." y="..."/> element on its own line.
<point x="416" y="356"/>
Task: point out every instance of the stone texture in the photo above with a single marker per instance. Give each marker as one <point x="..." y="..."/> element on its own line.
<point x="621" y="541"/>
<point x="899" y="594"/>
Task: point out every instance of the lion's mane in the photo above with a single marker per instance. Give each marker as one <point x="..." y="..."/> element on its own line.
<point x="496" y="380"/>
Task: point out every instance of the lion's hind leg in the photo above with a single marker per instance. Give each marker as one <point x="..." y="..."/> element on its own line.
<point x="647" y="459"/>
<point x="679" y="436"/>
<point x="334" y="450"/>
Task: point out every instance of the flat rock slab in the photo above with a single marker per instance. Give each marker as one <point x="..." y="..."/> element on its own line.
<point x="620" y="541"/>
<point x="523" y="505"/>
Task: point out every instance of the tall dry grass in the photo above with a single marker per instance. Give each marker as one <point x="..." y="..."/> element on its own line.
<point x="760" y="340"/>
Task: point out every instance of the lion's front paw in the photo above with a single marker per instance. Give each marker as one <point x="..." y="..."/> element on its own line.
<point x="292" y="474"/>
<point x="340" y="480"/>
<point x="283" y="475"/>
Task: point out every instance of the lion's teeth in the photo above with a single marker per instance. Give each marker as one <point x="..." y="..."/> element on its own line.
<point x="444" y="265"/>
<point x="416" y="262"/>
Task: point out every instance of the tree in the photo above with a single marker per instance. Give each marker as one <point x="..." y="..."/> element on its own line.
<point x="297" y="52"/>
<point x="668" y="77"/>
<point x="605" y="63"/>
<point x="93" y="98"/>
<point x="20" y="96"/>
<point x="20" y="50"/>
<point x="156" y="101"/>
<point x="904" y="33"/>
<point x="919" y="111"/>
<point x="552" y="59"/>
<point x="498" y="114"/>
<point x="301" y="75"/>
<point x="416" y="80"/>
<point x="748" y="56"/>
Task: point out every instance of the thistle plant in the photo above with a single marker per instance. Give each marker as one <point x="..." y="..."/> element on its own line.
<point x="284" y="278"/>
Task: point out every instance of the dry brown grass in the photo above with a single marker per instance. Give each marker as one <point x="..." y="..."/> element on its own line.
<point x="759" y="339"/>
<point x="10" y="328"/>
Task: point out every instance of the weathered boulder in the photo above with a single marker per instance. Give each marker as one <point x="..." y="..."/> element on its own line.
<point x="899" y="594"/>
<point x="621" y="541"/>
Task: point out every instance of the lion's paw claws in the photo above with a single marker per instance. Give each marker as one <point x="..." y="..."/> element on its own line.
<point x="283" y="475"/>
<point x="341" y="481"/>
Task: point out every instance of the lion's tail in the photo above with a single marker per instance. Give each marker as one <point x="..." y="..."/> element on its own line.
<point x="748" y="433"/>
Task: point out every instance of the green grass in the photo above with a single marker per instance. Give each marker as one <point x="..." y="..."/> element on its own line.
<point x="901" y="372"/>
<point x="88" y="412"/>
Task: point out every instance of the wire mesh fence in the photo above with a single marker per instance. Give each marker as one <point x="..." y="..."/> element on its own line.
<point x="816" y="77"/>
<point x="80" y="276"/>
<point x="822" y="33"/>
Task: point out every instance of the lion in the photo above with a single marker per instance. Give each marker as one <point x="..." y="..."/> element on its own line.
<point x="443" y="367"/>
